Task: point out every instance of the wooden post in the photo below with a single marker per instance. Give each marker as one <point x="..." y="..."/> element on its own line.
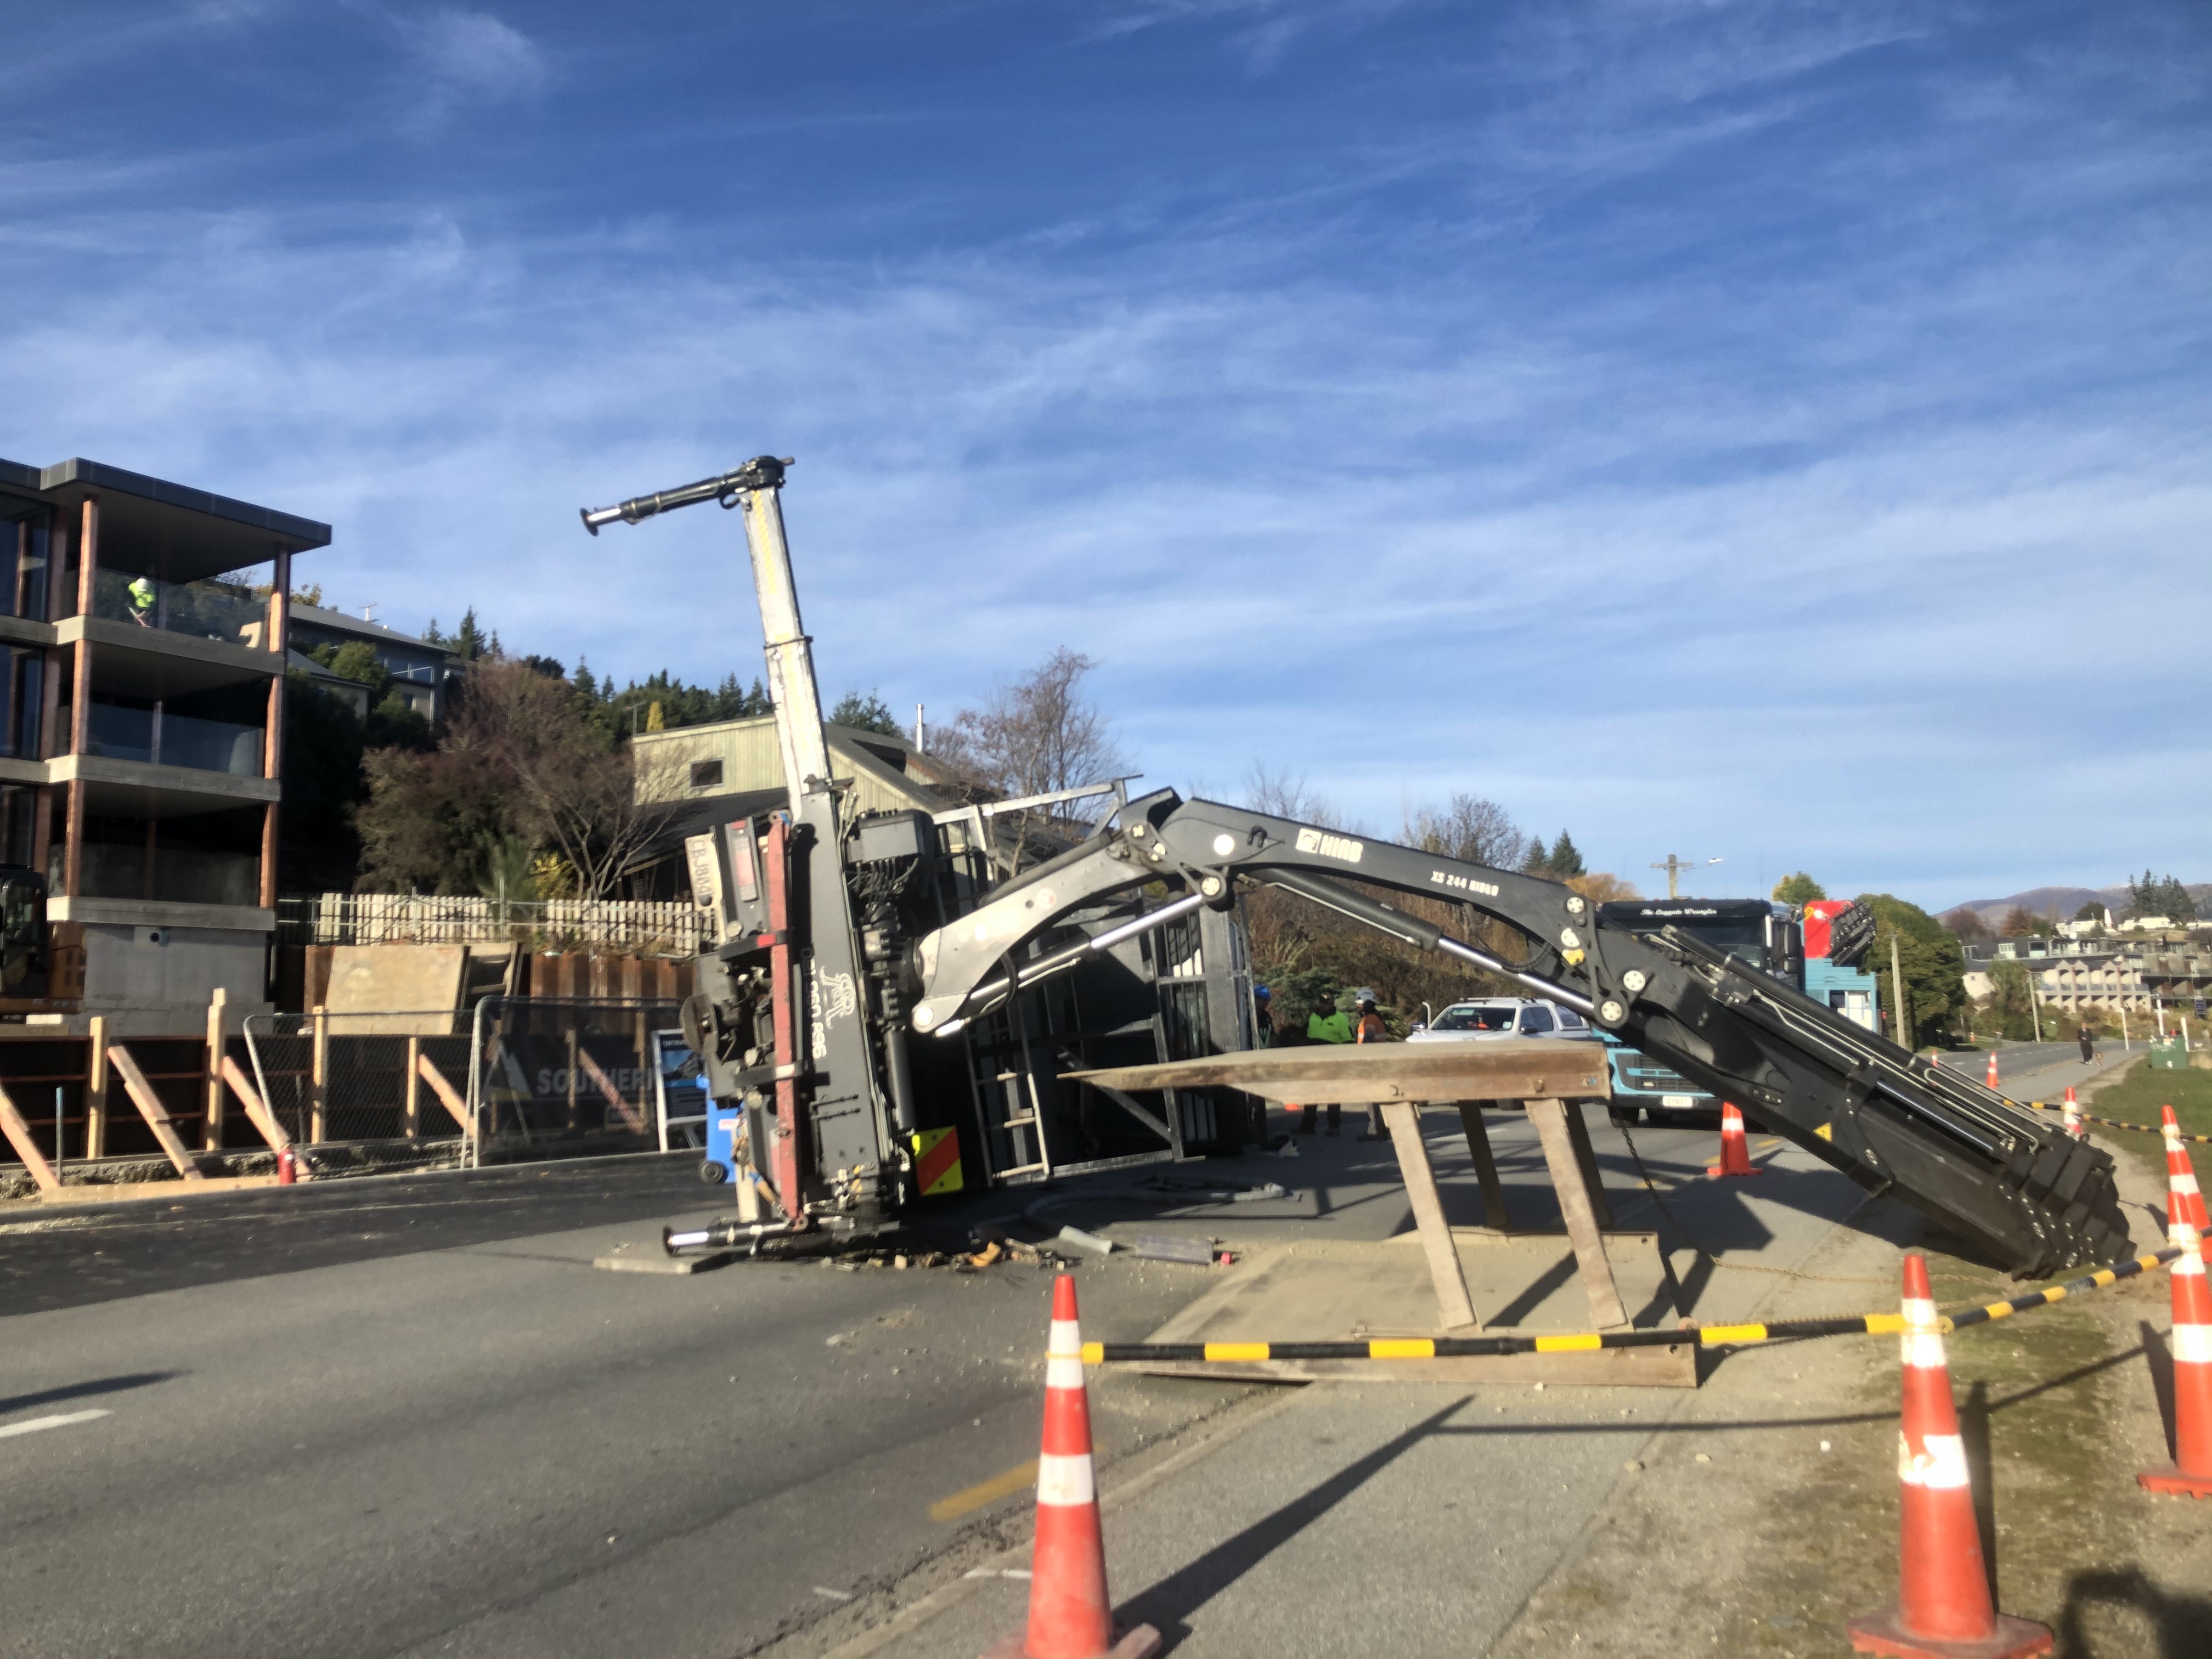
<point x="410" y="1109"/>
<point x="575" y="1118"/>
<point x="95" y="1091"/>
<point x="318" y="1073"/>
<point x="19" y="1136"/>
<point x="73" y="842"/>
<point x="88" y="563"/>
<point x="150" y="1108"/>
<point x="1586" y="1161"/>
<point x="256" y="1109"/>
<point x="212" y="1140"/>
<point x="272" y="737"/>
<point x="448" y="1095"/>
<point x="1454" y="1306"/>
<point x="1485" y="1167"/>
<point x="1550" y="1117"/>
<point x="631" y="1117"/>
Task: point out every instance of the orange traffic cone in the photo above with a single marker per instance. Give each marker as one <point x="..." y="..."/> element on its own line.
<point x="2073" y="1116"/>
<point x="2180" y="1175"/>
<point x="2190" y="1475"/>
<point x="1992" y="1078"/>
<point x="1735" y="1151"/>
<point x="1942" y="1610"/>
<point x="1070" y="1617"/>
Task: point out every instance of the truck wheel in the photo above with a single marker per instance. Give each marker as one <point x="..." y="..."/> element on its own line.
<point x="713" y="1174"/>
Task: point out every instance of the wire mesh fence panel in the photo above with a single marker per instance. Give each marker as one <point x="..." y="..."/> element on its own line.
<point x="336" y="1077"/>
<point x="567" y="1078"/>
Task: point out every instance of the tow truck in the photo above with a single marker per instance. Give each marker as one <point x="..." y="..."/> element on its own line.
<point x="834" y="1081"/>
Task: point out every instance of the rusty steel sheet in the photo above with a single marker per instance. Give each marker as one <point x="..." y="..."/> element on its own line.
<point x="1360" y="1074"/>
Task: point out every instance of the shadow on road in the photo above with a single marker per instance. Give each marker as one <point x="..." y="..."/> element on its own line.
<point x="1167" y="1604"/>
<point x="82" y="1391"/>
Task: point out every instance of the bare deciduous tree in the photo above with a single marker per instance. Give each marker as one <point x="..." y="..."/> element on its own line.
<point x="520" y="761"/>
<point x="1472" y="829"/>
<point x="1035" y="736"/>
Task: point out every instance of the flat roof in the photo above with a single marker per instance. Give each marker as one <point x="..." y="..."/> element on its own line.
<point x="150" y="527"/>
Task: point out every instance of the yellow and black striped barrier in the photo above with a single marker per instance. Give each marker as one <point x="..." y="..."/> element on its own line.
<point x="2109" y="1122"/>
<point x="1705" y="1336"/>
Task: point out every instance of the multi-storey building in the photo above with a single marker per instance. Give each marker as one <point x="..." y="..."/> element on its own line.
<point x="142" y="710"/>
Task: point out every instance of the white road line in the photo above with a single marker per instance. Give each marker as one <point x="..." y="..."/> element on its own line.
<point x="37" y="1422"/>
<point x="834" y="1595"/>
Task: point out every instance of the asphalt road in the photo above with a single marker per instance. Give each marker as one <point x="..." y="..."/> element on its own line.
<point x="410" y="1418"/>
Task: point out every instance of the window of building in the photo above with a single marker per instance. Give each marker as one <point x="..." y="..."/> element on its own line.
<point x="207" y="857"/>
<point x="23" y="533"/>
<point x="707" y="774"/>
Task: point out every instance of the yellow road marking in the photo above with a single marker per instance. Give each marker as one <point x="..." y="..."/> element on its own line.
<point x="986" y="1492"/>
<point x="1770" y="1142"/>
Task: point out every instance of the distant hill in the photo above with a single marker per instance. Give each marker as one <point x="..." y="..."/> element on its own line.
<point x="2066" y="901"/>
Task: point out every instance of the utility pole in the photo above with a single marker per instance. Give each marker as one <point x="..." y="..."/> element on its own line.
<point x="1904" y="1009"/>
<point x="1674" y="867"/>
<point x="918" y="730"/>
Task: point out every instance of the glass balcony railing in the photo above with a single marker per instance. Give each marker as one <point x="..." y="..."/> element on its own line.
<point x="208" y="609"/>
<point x="161" y="738"/>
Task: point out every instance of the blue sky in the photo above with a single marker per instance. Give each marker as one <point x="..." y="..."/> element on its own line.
<point x="1769" y="431"/>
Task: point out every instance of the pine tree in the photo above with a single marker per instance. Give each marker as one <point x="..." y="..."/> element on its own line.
<point x="1566" y="859"/>
<point x="469" y="643"/>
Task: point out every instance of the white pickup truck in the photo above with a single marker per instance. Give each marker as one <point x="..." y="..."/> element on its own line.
<point x="1496" y="1020"/>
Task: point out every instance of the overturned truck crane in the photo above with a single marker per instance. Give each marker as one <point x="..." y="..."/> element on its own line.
<point x="2021" y="1190"/>
<point x="831" y="999"/>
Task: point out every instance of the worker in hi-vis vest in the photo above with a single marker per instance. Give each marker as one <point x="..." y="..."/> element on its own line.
<point x="1331" y="1028"/>
<point x="141" y="601"/>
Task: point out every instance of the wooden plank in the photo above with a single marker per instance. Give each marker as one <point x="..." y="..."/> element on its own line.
<point x="318" y="1078"/>
<point x="211" y="1107"/>
<point x="410" y="1111"/>
<point x="124" y="1191"/>
<point x="256" y="1109"/>
<point x="1550" y="1117"/>
<point x="452" y="1101"/>
<point x="95" y="1092"/>
<point x="1358" y="1074"/>
<point x="19" y="1136"/>
<point x="1485" y="1166"/>
<point x="150" y="1108"/>
<point x="1586" y="1161"/>
<point x="631" y="1117"/>
<point x="1456" y="1312"/>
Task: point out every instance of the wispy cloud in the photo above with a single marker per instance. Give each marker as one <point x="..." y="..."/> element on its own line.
<point x="463" y="57"/>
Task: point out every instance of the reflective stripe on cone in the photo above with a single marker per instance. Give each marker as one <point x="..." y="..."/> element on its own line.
<point x="1735" y="1150"/>
<point x="2181" y="1175"/>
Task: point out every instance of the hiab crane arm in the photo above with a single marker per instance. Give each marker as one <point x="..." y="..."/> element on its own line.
<point x="2032" y="1197"/>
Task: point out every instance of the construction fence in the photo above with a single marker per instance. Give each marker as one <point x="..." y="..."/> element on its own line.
<point x="514" y="1079"/>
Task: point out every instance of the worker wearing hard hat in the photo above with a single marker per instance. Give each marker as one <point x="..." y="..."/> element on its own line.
<point x="141" y="601"/>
